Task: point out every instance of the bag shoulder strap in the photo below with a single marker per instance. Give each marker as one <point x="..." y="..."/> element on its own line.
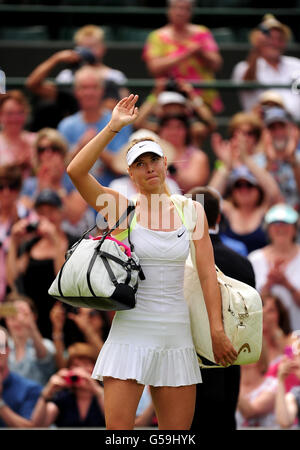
<point x="126" y="213"/>
<point x="124" y="234"/>
<point x="186" y="210"/>
<point x="130" y="208"/>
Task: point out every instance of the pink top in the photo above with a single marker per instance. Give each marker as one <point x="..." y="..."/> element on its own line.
<point x="290" y="381"/>
<point x="191" y="69"/>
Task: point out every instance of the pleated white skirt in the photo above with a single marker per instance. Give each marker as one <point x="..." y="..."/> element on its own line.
<point x="152" y="352"/>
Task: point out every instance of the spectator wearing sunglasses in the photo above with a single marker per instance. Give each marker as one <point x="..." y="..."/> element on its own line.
<point x="16" y="143"/>
<point x="51" y="155"/>
<point x="11" y="210"/>
<point x="246" y="202"/>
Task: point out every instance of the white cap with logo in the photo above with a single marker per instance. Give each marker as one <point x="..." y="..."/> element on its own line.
<point x="143" y="147"/>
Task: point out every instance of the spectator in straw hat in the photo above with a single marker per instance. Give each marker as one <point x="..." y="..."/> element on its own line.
<point x="267" y="64"/>
<point x="267" y="99"/>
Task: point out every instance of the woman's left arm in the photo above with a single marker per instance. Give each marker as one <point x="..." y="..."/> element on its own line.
<point x="223" y="349"/>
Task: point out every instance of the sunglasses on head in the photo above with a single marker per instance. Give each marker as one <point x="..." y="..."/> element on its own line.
<point x="52" y="147"/>
<point x="12" y="185"/>
<point x="243" y="184"/>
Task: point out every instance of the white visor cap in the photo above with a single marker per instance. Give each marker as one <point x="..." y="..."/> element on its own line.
<point x="143" y="147"/>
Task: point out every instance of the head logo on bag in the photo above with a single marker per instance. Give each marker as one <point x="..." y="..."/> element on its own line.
<point x="244" y="347"/>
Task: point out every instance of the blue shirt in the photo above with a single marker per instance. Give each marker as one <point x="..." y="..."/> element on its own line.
<point x="20" y="394"/>
<point x="30" y="366"/>
<point x="73" y="127"/>
<point x="30" y="186"/>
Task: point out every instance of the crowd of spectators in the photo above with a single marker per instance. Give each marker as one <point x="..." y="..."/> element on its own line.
<point x="51" y="348"/>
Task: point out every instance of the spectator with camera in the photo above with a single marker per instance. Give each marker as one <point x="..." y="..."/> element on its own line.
<point x="268" y="99"/>
<point x="72" y="398"/>
<point x="89" y="50"/>
<point x="37" y="252"/>
<point x="183" y="50"/>
<point x="267" y="64"/>
<point x="90" y="45"/>
<point x="18" y="395"/>
<point x="78" y="129"/>
<point x="176" y="97"/>
<point x="30" y="355"/>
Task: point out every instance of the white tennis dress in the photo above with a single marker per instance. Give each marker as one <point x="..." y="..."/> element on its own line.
<point x="152" y="343"/>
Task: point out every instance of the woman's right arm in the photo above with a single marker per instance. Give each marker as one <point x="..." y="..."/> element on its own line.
<point x="124" y="113"/>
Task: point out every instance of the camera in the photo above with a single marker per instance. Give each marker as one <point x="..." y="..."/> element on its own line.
<point x="71" y="379"/>
<point x="87" y="56"/>
<point x="172" y="85"/>
<point x="32" y="226"/>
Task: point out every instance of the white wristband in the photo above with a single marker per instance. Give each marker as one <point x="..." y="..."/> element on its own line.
<point x="2" y="403"/>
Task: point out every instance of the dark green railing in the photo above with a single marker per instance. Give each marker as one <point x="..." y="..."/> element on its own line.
<point x="19" y="82"/>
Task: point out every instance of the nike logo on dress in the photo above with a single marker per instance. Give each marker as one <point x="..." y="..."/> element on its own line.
<point x="179" y="235"/>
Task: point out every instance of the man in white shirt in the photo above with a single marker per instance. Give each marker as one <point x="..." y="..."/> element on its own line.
<point x="266" y="64"/>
